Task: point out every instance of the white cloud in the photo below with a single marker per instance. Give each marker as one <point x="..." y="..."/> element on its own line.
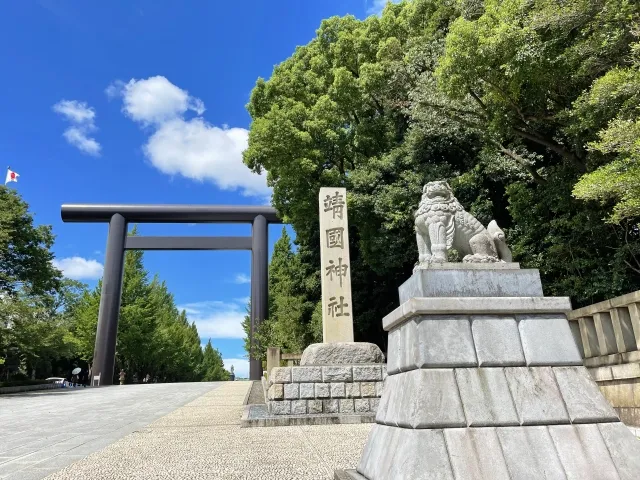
<point x="82" y="118"/>
<point x="154" y="100"/>
<point x="243" y="300"/>
<point x="78" y="138"/>
<point x="190" y="147"/>
<point x="216" y="319"/>
<point x="240" y="366"/>
<point x="79" y="268"/>
<point x="242" y="278"/>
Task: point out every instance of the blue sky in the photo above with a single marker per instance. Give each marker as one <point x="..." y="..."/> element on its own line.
<point x="143" y="101"/>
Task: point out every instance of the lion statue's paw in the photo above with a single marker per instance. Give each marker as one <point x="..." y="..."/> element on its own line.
<point x="477" y="258"/>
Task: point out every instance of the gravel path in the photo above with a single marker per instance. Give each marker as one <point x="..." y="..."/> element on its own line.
<point x="203" y="440"/>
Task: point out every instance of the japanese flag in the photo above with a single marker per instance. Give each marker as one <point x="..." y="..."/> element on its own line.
<point x="11" y="176"/>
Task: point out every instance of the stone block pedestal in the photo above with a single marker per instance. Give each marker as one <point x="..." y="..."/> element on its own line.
<point x="491" y="387"/>
<point x="327" y="389"/>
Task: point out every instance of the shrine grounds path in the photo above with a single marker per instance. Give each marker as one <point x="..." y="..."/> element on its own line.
<point x="162" y="431"/>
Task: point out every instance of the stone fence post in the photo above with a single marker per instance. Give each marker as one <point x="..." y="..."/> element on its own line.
<point x="273" y="359"/>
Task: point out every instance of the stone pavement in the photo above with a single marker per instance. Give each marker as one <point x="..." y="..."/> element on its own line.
<point x="41" y="432"/>
<point x="203" y="440"/>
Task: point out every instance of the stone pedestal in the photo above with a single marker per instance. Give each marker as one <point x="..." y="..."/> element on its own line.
<point x="333" y="378"/>
<point x="490" y="386"/>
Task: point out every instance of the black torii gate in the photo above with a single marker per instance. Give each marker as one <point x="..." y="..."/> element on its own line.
<point x="118" y="216"/>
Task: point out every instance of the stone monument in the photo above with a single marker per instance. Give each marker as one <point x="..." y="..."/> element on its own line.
<point x="484" y="378"/>
<point x="337" y="315"/>
<point x="338" y="377"/>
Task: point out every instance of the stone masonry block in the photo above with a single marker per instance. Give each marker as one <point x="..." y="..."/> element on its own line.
<point x="337" y="374"/>
<point x="306" y="374"/>
<point x="375" y="447"/>
<point x="367" y="373"/>
<point x="409" y="346"/>
<point x="393" y="363"/>
<point x="346" y="405"/>
<point x="307" y="390"/>
<point x="530" y="453"/>
<point x="392" y="398"/>
<point x="379" y="387"/>
<point x="585" y="403"/>
<point x="465" y="281"/>
<point x="280" y="407"/>
<point x="322" y="390"/>
<point x="298" y="407"/>
<point x="280" y="375"/>
<point x="352" y="390"/>
<point x="429" y="399"/>
<point x="485" y="397"/>
<point x="337" y="390"/>
<point x="368" y="389"/>
<point x="392" y="384"/>
<point x="497" y="341"/>
<point x="475" y="454"/>
<point x="276" y="392"/>
<point x="314" y="406"/>
<point x="330" y="406"/>
<point x="547" y="340"/>
<point x="400" y="453"/>
<point x="374" y="404"/>
<point x="421" y="454"/>
<point x="445" y="341"/>
<point x="536" y="395"/>
<point x="361" y="405"/>
<point x="624" y="448"/>
<point x="582" y="452"/>
<point x="292" y="391"/>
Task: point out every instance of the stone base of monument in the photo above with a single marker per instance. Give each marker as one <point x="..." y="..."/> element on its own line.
<point x="489" y="385"/>
<point x="335" y="383"/>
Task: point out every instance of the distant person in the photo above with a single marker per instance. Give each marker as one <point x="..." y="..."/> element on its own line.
<point x="122" y="375"/>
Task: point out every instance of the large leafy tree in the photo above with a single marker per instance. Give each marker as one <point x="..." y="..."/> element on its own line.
<point x="511" y="101"/>
<point x="33" y="296"/>
<point x="25" y="249"/>
<point x="334" y="114"/>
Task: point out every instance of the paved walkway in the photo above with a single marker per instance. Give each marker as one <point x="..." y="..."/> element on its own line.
<point x="41" y="432"/>
<point x="203" y="440"/>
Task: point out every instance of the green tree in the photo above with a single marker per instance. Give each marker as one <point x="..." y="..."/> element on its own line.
<point x="25" y="249"/>
<point x="508" y="100"/>
<point x="154" y="338"/>
<point x="33" y="332"/>
<point x="212" y="365"/>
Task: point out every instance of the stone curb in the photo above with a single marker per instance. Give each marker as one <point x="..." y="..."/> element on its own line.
<point x="30" y="388"/>
<point x="296" y="420"/>
<point x="246" y="397"/>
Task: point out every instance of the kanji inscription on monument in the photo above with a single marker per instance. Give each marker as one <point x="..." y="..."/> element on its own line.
<point x="337" y="316"/>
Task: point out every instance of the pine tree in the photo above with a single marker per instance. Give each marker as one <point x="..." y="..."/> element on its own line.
<point x="212" y="364"/>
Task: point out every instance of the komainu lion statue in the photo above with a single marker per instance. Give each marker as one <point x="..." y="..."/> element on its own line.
<point x="441" y="224"/>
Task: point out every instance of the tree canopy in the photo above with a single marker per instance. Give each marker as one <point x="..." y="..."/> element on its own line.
<point x="528" y="108"/>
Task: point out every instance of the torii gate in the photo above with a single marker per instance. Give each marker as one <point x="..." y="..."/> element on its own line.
<point x="118" y="216"/>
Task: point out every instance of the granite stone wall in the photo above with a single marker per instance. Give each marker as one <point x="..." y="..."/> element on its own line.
<point x="348" y="389"/>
